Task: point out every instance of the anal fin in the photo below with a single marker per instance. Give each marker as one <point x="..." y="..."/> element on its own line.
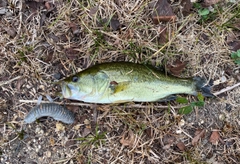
<point x="168" y="98"/>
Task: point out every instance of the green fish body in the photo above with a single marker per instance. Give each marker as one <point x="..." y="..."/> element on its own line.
<point x="126" y="82"/>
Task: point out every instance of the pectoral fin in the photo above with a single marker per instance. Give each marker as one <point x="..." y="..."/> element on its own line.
<point x="118" y="87"/>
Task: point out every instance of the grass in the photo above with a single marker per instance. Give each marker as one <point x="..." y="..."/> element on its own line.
<point x="96" y="139"/>
<point x="198" y="39"/>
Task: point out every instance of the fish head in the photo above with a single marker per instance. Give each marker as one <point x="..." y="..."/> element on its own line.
<point x="77" y="87"/>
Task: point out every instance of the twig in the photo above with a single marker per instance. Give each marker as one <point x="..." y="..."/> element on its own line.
<point x="9" y="81"/>
<point x="89" y="105"/>
<point x="226" y="89"/>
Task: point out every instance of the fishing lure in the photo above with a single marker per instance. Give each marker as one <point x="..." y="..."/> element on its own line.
<point x="53" y="110"/>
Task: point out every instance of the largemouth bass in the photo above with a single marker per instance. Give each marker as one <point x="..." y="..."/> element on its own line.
<point x="125" y="82"/>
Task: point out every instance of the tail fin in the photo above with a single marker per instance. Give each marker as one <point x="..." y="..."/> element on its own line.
<point x="202" y="86"/>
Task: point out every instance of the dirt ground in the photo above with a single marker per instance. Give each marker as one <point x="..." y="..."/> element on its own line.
<point x="43" y="41"/>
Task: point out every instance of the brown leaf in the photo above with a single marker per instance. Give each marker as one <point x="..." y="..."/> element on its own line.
<point x="19" y="84"/>
<point x="33" y="5"/>
<point x="71" y="53"/>
<point x="93" y="10"/>
<point x="63" y="38"/>
<point x="200" y="133"/>
<point x="115" y="24"/>
<point x="128" y="139"/>
<point x="53" y="37"/>
<point x="207" y="3"/>
<point x="104" y="108"/>
<point x="162" y="12"/>
<point x="48" y="56"/>
<point x="86" y="132"/>
<point x="52" y="141"/>
<point x="129" y="34"/>
<point x="181" y="146"/>
<point x="234" y="45"/>
<point x="163" y="34"/>
<point x="81" y="159"/>
<point x="168" y="140"/>
<point x="166" y="147"/>
<point x="149" y="132"/>
<point x="187" y="6"/>
<point x="11" y="32"/>
<point x="214" y="138"/>
<point x="70" y="143"/>
<point x="47" y="5"/>
<point x="177" y="68"/>
<point x="74" y="28"/>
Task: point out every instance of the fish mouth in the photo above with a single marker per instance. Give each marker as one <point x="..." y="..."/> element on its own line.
<point x="66" y="90"/>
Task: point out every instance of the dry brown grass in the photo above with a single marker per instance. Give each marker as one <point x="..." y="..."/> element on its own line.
<point x="36" y="46"/>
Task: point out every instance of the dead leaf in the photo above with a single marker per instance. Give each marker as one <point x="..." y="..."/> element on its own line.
<point x="115" y="24"/>
<point x="19" y="84"/>
<point x="181" y="146"/>
<point x="73" y="108"/>
<point x="81" y="159"/>
<point x="234" y="45"/>
<point x="149" y="132"/>
<point x="48" y="56"/>
<point x="168" y="141"/>
<point x="214" y="138"/>
<point x="129" y="34"/>
<point x="53" y="37"/>
<point x="163" y="34"/>
<point x="86" y="132"/>
<point x="187" y="6"/>
<point x="128" y="139"/>
<point x="200" y="133"/>
<point x="63" y="38"/>
<point x="93" y="10"/>
<point x="70" y="143"/>
<point x="47" y="5"/>
<point x="74" y="28"/>
<point x="51" y="141"/>
<point x="71" y="53"/>
<point x="177" y="67"/>
<point x="166" y="147"/>
<point x="207" y="3"/>
<point x="104" y="108"/>
<point x="33" y="5"/>
<point x="60" y="127"/>
<point x="11" y="32"/>
<point x="163" y="12"/>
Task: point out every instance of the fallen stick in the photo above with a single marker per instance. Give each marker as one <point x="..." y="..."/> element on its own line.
<point x="226" y="89"/>
<point x="89" y="105"/>
<point x="127" y="106"/>
<point x="9" y="81"/>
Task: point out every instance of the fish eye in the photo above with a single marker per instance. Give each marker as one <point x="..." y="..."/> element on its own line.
<point x="74" y="79"/>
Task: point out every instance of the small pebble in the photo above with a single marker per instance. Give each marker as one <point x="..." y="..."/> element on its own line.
<point x="181" y="123"/>
<point x="228" y="107"/>
<point x="49" y="154"/>
<point x="57" y="76"/>
<point x="222" y="117"/>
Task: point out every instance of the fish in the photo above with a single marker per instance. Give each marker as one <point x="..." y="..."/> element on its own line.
<point x="53" y="110"/>
<point x="120" y="82"/>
